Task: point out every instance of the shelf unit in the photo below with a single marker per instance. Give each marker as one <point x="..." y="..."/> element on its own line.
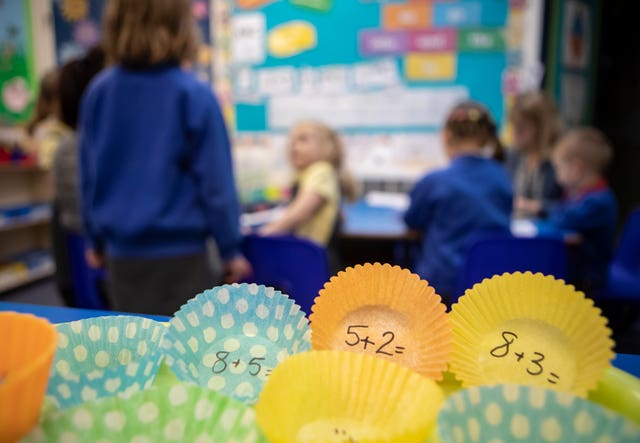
<point x="22" y="185"/>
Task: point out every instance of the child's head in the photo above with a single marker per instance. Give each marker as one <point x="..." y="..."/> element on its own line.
<point x="48" y="103"/>
<point x="470" y="129"/>
<point x="536" y="123"/>
<point x="75" y="76"/>
<point x="312" y="141"/>
<point x="580" y="157"/>
<point x="144" y="33"/>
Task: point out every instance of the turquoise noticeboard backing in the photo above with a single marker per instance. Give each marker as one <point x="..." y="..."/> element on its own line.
<point x="479" y="55"/>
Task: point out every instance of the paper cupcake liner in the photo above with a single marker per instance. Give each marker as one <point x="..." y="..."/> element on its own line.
<point x="26" y="354"/>
<point x="178" y="413"/>
<point x="527" y="414"/>
<point x="385" y="311"/>
<point x="230" y="338"/>
<point x="104" y="356"/>
<point x="529" y="329"/>
<point x="334" y="396"/>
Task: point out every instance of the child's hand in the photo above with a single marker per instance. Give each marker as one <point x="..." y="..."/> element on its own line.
<point x="94" y="259"/>
<point x="528" y="205"/>
<point x="236" y="269"/>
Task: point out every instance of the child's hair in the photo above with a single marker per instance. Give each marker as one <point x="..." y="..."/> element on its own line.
<point x="47" y="100"/>
<point x="472" y="121"/>
<point x="74" y="79"/>
<point x="539" y="109"/>
<point x="143" y="33"/>
<point x="589" y="145"/>
<point x="335" y="155"/>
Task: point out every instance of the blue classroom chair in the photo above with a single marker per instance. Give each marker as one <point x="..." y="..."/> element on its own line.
<point x="490" y="255"/>
<point x="295" y="266"/>
<point x="624" y="271"/>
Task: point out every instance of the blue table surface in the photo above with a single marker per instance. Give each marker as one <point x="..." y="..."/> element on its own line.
<point x="363" y="219"/>
<point x="55" y="314"/>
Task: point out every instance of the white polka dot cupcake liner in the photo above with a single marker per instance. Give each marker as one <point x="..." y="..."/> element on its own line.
<point x="230" y="338"/>
<point x="104" y="356"/>
<point x="510" y="413"/>
<point x="177" y="413"/>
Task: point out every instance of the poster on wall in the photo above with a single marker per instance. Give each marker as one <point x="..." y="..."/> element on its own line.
<point x="17" y="75"/>
<point x="385" y="74"/>
<point x="78" y="27"/>
<point x="572" y="59"/>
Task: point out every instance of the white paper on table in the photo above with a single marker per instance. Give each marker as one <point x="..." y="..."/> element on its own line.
<point x="394" y="200"/>
<point x="523" y="228"/>
<point x="255" y="219"/>
<point x="248" y="36"/>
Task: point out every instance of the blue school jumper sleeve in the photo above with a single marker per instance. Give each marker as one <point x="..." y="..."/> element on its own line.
<point x="91" y="233"/>
<point x="217" y="187"/>
<point x="594" y="217"/>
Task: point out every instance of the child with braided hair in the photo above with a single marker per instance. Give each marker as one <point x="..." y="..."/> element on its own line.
<point x="473" y="194"/>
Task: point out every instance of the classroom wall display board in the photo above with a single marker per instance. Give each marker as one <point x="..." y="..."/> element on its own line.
<point x="78" y="27"/>
<point x="572" y="58"/>
<point x="17" y="66"/>
<point x="384" y="73"/>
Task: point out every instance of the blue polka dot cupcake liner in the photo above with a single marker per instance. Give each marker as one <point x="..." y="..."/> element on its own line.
<point x="514" y="413"/>
<point x="231" y="337"/>
<point x="104" y="356"/>
<point x="176" y="413"/>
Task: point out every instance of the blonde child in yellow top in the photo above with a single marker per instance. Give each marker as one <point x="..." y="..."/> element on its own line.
<point x="317" y="154"/>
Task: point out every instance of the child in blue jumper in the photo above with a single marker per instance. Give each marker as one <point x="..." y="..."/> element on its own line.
<point x="156" y="171"/>
<point x="589" y="208"/>
<point x="473" y="194"/>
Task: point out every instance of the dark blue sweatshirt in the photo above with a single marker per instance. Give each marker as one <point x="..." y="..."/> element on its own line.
<point x="594" y="216"/>
<point x="472" y="195"/>
<point x="156" y="169"/>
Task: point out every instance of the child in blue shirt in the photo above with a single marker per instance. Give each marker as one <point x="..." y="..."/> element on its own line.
<point x="589" y="208"/>
<point x="473" y="194"/>
<point x="156" y="172"/>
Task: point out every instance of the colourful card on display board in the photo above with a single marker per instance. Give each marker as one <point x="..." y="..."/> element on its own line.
<point x="430" y="66"/>
<point x="457" y="14"/>
<point x="252" y="4"/>
<point x="318" y="5"/>
<point x="482" y="40"/>
<point x="407" y="16"/>
<point x="380" y="42"/>
<point x="433" y="40"/>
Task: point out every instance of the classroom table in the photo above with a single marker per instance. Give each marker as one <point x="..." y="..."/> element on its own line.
<point x="59" y="314"/>
<point x="381" y="218"/>
<point x="56" y="314"/>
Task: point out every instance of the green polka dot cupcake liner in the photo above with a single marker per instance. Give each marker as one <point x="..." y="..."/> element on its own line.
<point x="231" y="337"/>
<point x="104" y="356"/>
<point x="177" y="413"/>
<point x="513" y="413"/>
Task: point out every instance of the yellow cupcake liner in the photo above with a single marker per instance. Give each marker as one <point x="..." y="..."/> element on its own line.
<point x="333" y="396"/>
<point x="26" y="355"/>
<point x="387" y="312"/>
<point x="529" y="329"/>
